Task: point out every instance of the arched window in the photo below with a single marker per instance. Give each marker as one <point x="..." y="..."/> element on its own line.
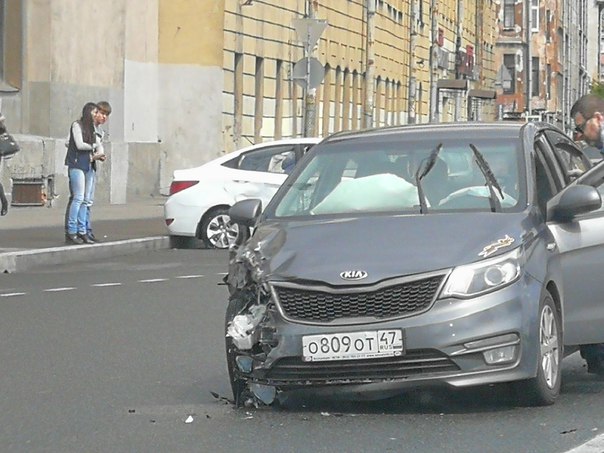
<point x="346" y="101"/>
<point x="327" y="90"/>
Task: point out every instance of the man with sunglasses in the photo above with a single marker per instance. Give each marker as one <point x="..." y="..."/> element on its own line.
<point x="588" y="114"/>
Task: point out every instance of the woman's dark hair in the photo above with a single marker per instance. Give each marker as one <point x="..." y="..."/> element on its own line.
<point x="87" y="123"/>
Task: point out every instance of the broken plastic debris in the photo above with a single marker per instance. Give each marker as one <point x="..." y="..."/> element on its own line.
<point x="244" y="363"/>
<point x="221" y="398"/>
<point x="242" y="326"/>
<point x="189" y="419"/>
<point x="265" y="393"/>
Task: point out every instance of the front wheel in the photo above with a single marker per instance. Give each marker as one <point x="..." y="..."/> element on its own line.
<point x="543" y="389"/>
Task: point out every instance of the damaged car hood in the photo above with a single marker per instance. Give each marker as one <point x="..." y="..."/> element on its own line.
<point x="382" y="247"/>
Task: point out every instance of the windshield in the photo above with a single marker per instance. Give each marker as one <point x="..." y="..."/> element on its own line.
<point x="369" y="177"/>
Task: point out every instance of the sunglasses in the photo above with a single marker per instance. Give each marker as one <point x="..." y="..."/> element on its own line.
<point x="580" y="128"/>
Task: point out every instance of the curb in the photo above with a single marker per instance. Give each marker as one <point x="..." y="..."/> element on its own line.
<point x="19" y="261"/>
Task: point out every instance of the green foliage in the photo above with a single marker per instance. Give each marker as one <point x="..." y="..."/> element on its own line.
<point x="598" y="89"/>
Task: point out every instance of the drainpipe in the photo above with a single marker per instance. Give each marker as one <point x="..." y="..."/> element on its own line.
<point x="528" y="63"/>
<point x="412" y="45"/>
<point x="458" y="40"/>
<point x="369" y="66"/>
<point x="433" y="34"/>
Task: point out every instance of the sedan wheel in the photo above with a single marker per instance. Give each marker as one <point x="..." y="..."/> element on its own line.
<point x="217" y="230"/>
<point x="550" y="360"/>
<point x="543" y="389"/>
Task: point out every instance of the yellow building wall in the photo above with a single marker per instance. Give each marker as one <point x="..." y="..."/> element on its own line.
<point x="191" y="32"/>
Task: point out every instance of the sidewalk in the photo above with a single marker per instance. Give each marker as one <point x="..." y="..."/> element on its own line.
<point x="34" y="236"/>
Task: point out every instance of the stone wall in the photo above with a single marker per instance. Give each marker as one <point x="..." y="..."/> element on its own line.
<point x="130" y="171"/>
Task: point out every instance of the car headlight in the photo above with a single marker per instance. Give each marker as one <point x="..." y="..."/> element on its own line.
<point x="484" y="276"/>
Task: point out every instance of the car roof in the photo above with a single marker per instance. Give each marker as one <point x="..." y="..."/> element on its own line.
<point x="503" y="128"/>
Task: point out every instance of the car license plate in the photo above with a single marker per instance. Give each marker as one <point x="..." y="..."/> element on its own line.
<point x="352" y="346"/>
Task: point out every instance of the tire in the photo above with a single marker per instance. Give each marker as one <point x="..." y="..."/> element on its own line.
<point x="237" y="385"/>
<point x="544" y="389"/>
<point x="217" y="230"/>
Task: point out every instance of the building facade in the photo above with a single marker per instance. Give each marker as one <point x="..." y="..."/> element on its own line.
<point x="542" y="58"/>
<point x="190" y="80"/>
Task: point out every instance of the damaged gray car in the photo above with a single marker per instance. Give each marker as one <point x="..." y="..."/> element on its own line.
<point x="456" y="254"/>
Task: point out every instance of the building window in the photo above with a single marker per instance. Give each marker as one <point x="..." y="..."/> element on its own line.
<point x="534" y="15"/>
<point x="548" y="27"/>
<point x="279" y="100"/>
<point x="548" y="81"/>
<point x="238" y="98"/>
<point x="326" y="101"/>
<point x="337" y="107"/>
<point x="259" y="99"/>
<point x="377" y="117"/>
<point x="535" y="85"/>
<point x="508" y="14"/>
<point x="356" y="95"/>
<point x="347" y="101"/>
<point x="509" y="82"/>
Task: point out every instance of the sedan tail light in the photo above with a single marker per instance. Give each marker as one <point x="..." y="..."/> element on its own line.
<point x="177" y="186"/>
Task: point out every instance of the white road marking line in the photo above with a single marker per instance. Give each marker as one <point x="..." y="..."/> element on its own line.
<point x="101" y="285"/>
<point x="189" y="276"/>
<point x="595" y="445"/>
<point x="13" y="294"/>
<point x="153" y="280"/>
<point x="222" y="273"/>
<point x="55" y="290"/>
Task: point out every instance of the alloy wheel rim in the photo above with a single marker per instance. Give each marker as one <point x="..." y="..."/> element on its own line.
<point x="550" y="356"/>
<point x="221" y="232"/>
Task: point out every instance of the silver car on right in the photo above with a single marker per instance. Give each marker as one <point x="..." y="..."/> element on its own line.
<point x="455" y="254"/>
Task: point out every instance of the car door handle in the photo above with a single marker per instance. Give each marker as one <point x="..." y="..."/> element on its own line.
<point x="551" y="246"/>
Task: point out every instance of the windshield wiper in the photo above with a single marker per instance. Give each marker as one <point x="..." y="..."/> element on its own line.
<point x="430" y="161"/>
<point x="491" y="181"/>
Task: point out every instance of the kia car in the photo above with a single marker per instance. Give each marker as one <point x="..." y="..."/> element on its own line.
<point x="438" y="254"/>
<point x="200" y="197"/>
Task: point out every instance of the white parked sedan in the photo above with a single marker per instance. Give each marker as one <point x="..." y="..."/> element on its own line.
<point x="200" y="197"/>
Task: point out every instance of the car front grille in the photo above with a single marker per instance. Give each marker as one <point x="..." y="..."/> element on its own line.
<point x="293" y="371"/>
<point x="403" y="299"/>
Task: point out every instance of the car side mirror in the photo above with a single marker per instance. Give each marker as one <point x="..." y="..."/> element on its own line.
<point x="573" y="201"/>
<point x="246" y="212"/>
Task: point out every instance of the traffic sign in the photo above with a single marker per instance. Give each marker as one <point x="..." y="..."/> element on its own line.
<point x="315" y="75"/>
<point x="309" y="30"/>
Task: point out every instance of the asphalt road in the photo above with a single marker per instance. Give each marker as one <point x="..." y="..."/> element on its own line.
<point x="123" y="355"/>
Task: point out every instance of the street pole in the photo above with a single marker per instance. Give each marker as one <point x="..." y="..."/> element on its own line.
<point x="369" y="67"/>
<point x="310" y="104"/>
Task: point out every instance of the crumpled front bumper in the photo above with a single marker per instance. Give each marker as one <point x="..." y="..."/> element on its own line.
<point x="444" y="345"/>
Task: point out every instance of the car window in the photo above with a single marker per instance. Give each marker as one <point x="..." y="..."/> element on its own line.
<point x="546" y="187"/>
<point x="570" y="157"/>
<point x="384" y="178"/>
<point x="274" y="159"/>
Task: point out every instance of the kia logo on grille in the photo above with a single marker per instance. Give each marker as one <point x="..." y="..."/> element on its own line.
<point x="353" y="275"/>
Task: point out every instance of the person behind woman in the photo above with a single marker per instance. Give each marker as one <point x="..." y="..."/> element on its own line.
<point x="82" y="143"/>
<point x="103" y="112"/>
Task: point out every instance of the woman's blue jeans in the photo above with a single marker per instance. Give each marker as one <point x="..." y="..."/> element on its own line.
<point x="79" y="181"/>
